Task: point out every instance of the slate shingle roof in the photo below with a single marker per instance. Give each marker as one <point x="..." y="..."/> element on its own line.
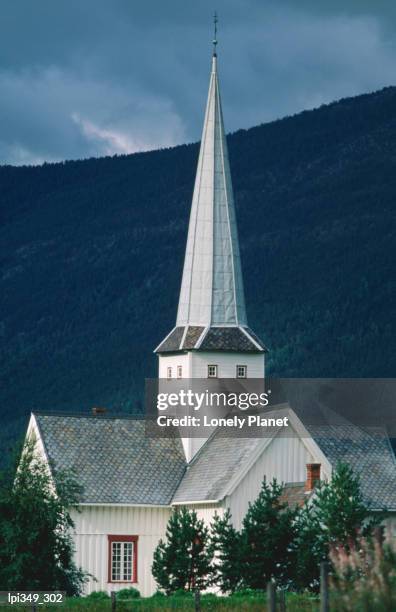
<point x="193" y="334"/>
<point x="231" y="338"/>
<point x="212" y="469"/>
<point x="256" y="338"/>
<point x="114" y="460"/>
<point x="171" y="342"/>
<point x="368" y="453"/>
<point x="228" y="339"/>
<point x="117" y="463"/>
<point x="294" y="494"/>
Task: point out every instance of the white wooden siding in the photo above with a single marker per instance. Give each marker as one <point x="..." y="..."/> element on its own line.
<point x="285" y="459"/>
<point x="172" y="361"/>
<point x="207" y="511"/>
<point x="195" y="364"/>
<point x="226" y="364"/>
<point x="92" y="526"/>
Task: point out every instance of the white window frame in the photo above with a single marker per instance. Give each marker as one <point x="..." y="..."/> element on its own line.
<point x="179" y="371"/>
<point x="215" y="374"/>
<point x="169" y="373"/>
<point x="244" y="375"/>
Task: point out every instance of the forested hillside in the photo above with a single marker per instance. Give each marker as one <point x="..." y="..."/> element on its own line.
<point x="91" y="258"/>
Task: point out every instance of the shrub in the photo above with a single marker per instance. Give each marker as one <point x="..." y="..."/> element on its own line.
<point x="97" y="596"/>
<point x="159" y="595"/>
<point x="364" y="576"/>
<point x="129" y="593"/>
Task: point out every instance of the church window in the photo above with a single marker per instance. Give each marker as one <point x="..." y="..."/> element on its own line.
<point x="241" y="371"/>
<point x="122" y="558"/>
<point x="168" y="373"/>
<point x="179" y="371"/>
<point x="212" y="371"/>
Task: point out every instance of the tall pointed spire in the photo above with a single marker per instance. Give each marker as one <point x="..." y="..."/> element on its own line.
<point x="212" y="288"/>
<point x="211" y="315"/>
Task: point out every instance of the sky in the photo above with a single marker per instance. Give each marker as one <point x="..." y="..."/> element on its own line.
<point x="83" y="78"/>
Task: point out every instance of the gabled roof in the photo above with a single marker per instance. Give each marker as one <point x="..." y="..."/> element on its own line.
<point x="115" y="461"/>
<point x="215" y="465"/>
<point x="368" y="453"/>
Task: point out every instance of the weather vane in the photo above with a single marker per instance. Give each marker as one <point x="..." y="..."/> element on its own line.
<point x="215" y="20"/>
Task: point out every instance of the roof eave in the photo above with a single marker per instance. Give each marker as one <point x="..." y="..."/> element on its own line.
<point x="196" y="502"/>
<point x="122" y="505"/>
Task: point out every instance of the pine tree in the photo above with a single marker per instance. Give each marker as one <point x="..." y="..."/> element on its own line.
<point x="36" y="547"/>
<point x="184" y="560"/>
<point x="335" y="516"/>
<point x="341" y="510"/>
<point x="226" y="542"/>
<point x="268" y="530"/>
<point x="309" y="548"/>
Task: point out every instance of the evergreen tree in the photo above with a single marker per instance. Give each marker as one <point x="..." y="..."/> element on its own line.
<point x="268" y="530"/>
<point x="184" y="560"/>
<point x="340" y="509"/>
<point x="335" y="516"/>
<point x="308" y="550"/>
<point x="36" y="547"/>
<point x="226" y="542"/>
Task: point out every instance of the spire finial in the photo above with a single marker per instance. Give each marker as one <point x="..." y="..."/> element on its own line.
<point x="215" y="20"/>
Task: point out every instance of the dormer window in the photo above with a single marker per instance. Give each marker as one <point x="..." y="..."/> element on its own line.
<point x="179" y="372"/>
<point x="212" y="371"/>
<point x="241" y="371"/>
<point x="168" y="373"/>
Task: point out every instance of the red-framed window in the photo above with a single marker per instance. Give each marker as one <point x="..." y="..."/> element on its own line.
<point x="123" y="551"/>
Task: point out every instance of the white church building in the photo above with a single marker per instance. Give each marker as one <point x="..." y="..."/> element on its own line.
<point x="130" y="480"/>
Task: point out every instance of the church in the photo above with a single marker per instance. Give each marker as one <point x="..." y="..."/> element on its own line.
<point x="132" y="481"/>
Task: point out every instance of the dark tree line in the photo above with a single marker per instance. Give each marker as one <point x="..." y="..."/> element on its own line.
<point x="91" y="257"/>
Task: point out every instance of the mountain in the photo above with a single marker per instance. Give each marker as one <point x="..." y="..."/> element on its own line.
<point x="92" y="251"/>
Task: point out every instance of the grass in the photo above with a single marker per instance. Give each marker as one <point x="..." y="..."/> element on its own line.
<point x="244" y="602"/>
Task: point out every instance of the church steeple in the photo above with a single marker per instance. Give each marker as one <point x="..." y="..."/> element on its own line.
<point x="211" y="338"/>
<point x="211" y="313"/>
<point x="212" y="287"/>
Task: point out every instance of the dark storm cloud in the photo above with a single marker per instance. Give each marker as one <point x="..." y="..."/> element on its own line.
<point x="95" y="77"/>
